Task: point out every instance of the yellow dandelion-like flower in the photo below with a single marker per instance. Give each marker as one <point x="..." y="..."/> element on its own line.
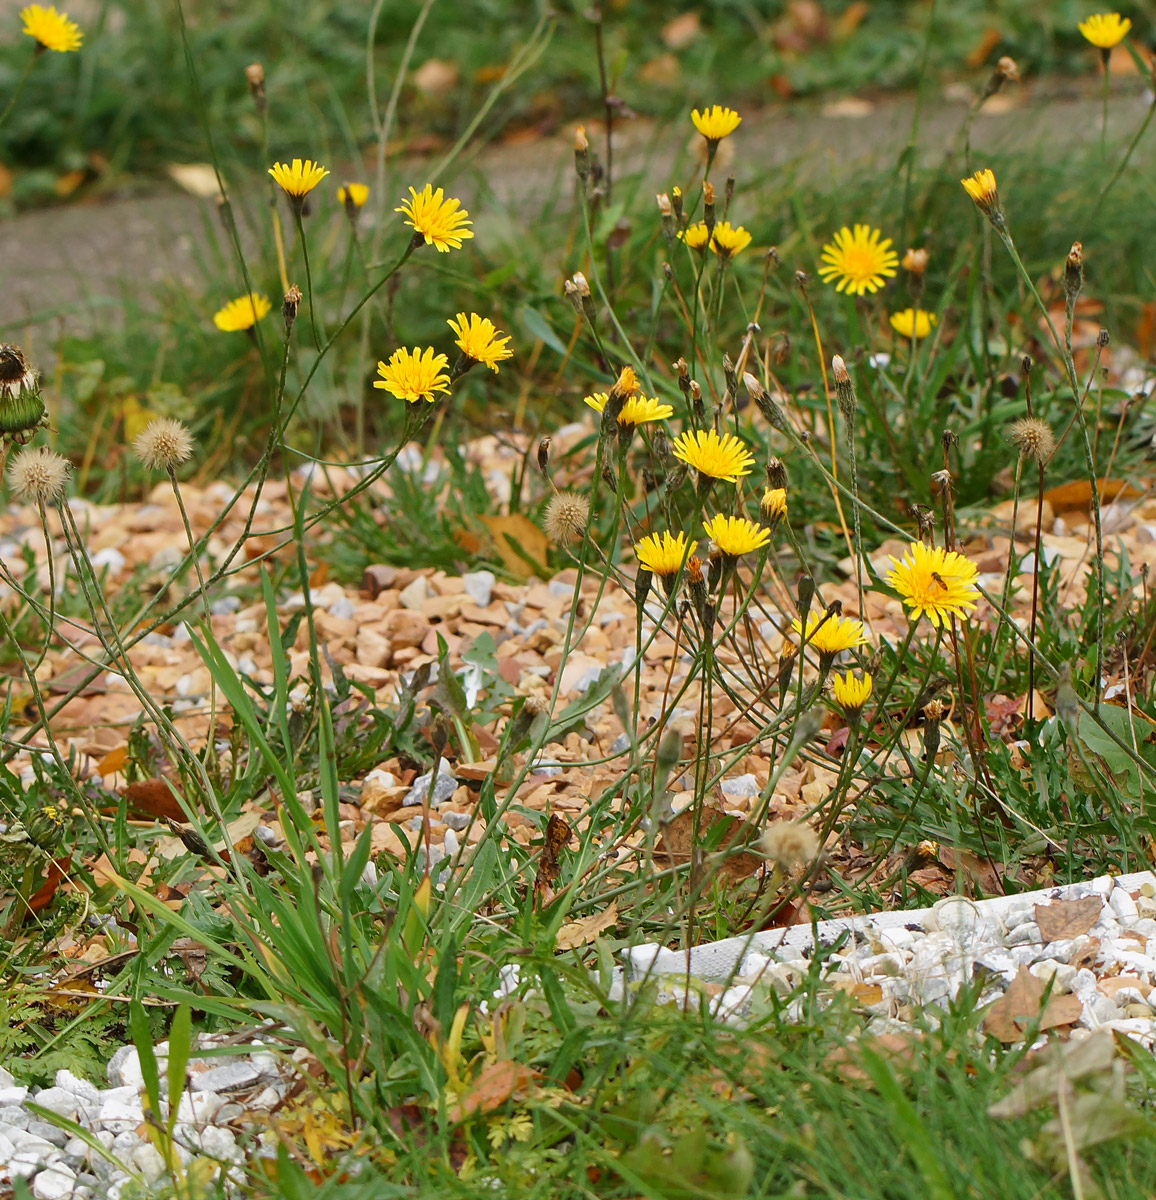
<point x="774" y="504"/>
<point x="1105" y="30"/>
<point x="935" y="583"/>
<point x="414" y="375"/>
<point x="480" y="340"/>
<point x="736" y="535"/>
<point x="851" y="694"/>
<point x="353" y="193"/>
<point x="638" y="410"/>
<point x="242" y="313"/>
<point x="828" y="635"/>
<point x="981" y="187"/>
<point x="913" y="322"/>
<point x="663" y="554"/>
<point x="727" y="242"/>
<point x="716" y="122"/>
<point x="695" y="236"/>
<point x="443" y="223"/>
<point x="299" y="178"/>
<point x="725" y="457"/>
<point x="858" y="260"/>
<point x="51" y="29"/>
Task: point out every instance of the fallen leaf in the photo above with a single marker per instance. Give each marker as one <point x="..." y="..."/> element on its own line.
<point x="581" y="932"/>
<point x="1068" y="918"/>
<point x="494" y="1085"/>
<point x="1058" y="1062"/>
<point x="113" y="761"/>
<point x="1071" y="497"/>
<point x="1010" y="1015"/>
<point x="153" y="798"/>
<point x="1086" y="955"/>
<point x="53" y="874"/>
<point x="520" y="544"/>
<point x="557" y="835"/>
<point x="199" y="179"/>
<point x="680" y="31"/>
<point x="677" y="841"/>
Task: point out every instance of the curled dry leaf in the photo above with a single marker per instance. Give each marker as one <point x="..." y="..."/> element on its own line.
<point x="584" y="931"/>
<point x="495" y="1084"/>
<point x="1020" y="1005"/>
<point x="1068" y="918"/>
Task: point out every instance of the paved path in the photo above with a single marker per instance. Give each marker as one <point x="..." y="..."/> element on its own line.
<point x="75" y="266"/>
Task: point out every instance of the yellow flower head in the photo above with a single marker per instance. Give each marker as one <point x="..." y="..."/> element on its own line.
<point x="52" y="30"/>
<point x="858" y="260"/>
<point x="663" y="554"/>
<point x="353" y="193"/>
<point x="851" y="693"/>
<point x="913" y="322"/>
<point x="774" y="504"/>
<point x="715" y="457"/>
<point x="443" y="223"/>
<point x="414" y="375"/>
<point x="1105" y="30"/>
<point x="242" y="313"/>
<point x="982" y="189"/>
<point x="480" y="340"/>
<point x="695" y="236"/>
<point x="715" y="123"/>
<point x="638" y="410"/>
<point x="830" y="634"/>
<point x="727" y="242"/>
<point x="299" y="178"/>
<point x="934" y="582"/>
<point x="736" y="535"/>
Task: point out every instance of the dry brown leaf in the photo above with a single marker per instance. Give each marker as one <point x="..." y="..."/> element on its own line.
<point x="113" y="761"/>
<point x="518" y="530"/>
<point x="557" y="835"/>
<point x="677" y="841"/>
<point x="1010" y="1015"/>
<point x="1071" y="497"/>
<point x="1068" y="918"/>
<point x="199" y="179"/>
<point x="581" y="932"/>
<point x="153" y="798"/>
<point x="1086" y="955"/>
<point x="494" y="1085"/>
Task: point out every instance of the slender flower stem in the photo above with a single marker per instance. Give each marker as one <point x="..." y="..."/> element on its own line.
<point x="308" y="273"/>
<point x="19" y="87"/>
<point x="1123" y="162"/>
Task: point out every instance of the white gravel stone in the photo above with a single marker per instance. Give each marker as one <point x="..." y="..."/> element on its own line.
<point x="230" y="1078"/>
<point x="219" y="1143"/>
<point x="14" y="1116"/>
<point x="1122" y="904"/>
<point x="47" y="1132"/>
<point x="118" y="1116"/>
<point x="7" y="1149"/>
<point x="479" y="587"/>
<point x="199" y="1107"/>
<point x="741" y="785"/>
<point x="444" y="787"/>
<point x="13" y="1095"/>
<point x="149" y="1162"/>
<point x="450" y="842"/>
<point x="7" y="1079"/>
<point x="79" y="1087"/>
<point x="57" y="1100"/>
<point x="455" y="820"/>
<point x="55" y="1183"/>
<point x="25" y="1163"/>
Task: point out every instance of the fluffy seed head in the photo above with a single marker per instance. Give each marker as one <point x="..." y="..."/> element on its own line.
<point x="165" y="444"/>
<point x="566" y="517"/>
<point x="1033" y="438"/>
<point x="788" y="842"/>
<point x="934" y="711"/>
<point x="38" y="475"/>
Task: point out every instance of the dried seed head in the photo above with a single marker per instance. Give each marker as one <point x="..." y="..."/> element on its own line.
<point x="915" y="261"/>
<point x="289" y="307"/>
<point x="566" y="517"/>
<point x="164" y="445"/>
<point x="788" y="842"/>
<point x="776" y="474"/>
<point x="38" y="475"/>
<point x="1074" y="272"/>
<point x="255" y="74"/>
<point x="844" y="390"/>
<point x="544" y="456"/>
<point x="1033" y="438"/>
<point x="1008" y="69"/>
<point x="676" y="202"/>
<point x="664" y="205"/>
<point x="581" y="153"/>
<point x="708" y="193"/>
<point x="765" y="404"/>
<point x="934" y="711"/>
<point x="16" y="375"/>
<point x="1103" y="338"/>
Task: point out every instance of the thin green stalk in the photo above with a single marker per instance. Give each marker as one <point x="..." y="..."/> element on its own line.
<point x="19" y="87"/>
<point x="308" y="273"/>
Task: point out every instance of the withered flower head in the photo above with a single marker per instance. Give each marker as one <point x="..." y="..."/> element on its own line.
<point x="788" y="842"/>
<point x="915" y="261"/>
<point x="164" y="445"/>
<point x="566" y="517"/>
<point x="1033" y="438"/>
<point x="38" y="475"/>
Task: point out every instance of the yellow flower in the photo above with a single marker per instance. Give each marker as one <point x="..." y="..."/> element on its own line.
<point x="1105" y="30"/>
<point x="727" y="242"/>
<point x="479" y="340"/>
<point x="774" y="505"/>
<point x="440" y="221"/>
<point x="716" y="457"/>
<point x="638" y="410"/>
<point x="913" y="322"/>
<point x="858" y="260"/>
<point x="663" y="554"/>
<point x="830" y="634"/>
<point x="52" y="30"/>
<point x="242" y="313"/>
<point x="353" y="193"/>
<point x="982" y="189"/>
<point x="736" y="535"/>
<point x="300" y="178"/>
<point x="414" y="375"/>
<point x="695" y="236"/>
<point x="851" y="693"/>
<point x="715" y="123"/>
<point x="935" y="582"/>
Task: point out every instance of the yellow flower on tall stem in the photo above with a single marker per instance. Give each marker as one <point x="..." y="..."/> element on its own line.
<point x="981" y="187"/>
<point x="726" y="241"/>
<point x="662" y="554"/>
<point x="715" y="123"/>
<point x="638" y="410"/>
<point x="439" y="222"/>
<point x="353" y="193"/>
<point x="298" y="179"/>
<point x="51" y="29"/>
<point x="935" y="583"/>
<point x="773" y="506"/>
<point x="695" y="236"/>
<point x="1105" y="30"/>
<point x="414" y="375"/>
<point x="858" y="260"/>
<point x="829" y="633"/>
<point x="241" y="314"/>
<point x="913" y="323"/>
<point x="712" y="456"/>
<point x="851" y="695"/>
<point x="735" y="536"/>
<point x="480" y="341"/>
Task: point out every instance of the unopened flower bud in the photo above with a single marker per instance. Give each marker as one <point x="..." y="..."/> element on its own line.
<point x="1074" y="272"/>
<point x="255" y="74"/>
<point x="708" y="207"/>
<point x="666" y="212"/>
<point x="776" y="473"/>
<point x="289" y="307"/>
<point x="544" y="456"/>
<point x="676" y="203"/>
<point x="581" y="153"/>
<point x="844" y="390"/>
<point x="775" y="416"/>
